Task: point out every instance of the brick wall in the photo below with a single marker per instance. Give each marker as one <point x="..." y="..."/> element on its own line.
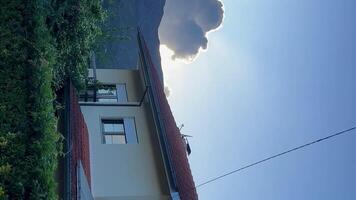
<point x="79" y="141"/>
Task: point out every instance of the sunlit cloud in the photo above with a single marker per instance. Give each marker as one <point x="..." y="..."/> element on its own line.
<point x="186" y="23"/>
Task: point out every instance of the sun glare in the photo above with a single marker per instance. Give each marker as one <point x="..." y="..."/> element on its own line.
<point x="169" y="66"/>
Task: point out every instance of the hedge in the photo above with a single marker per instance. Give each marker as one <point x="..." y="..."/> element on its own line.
<point x="41" y="43"/>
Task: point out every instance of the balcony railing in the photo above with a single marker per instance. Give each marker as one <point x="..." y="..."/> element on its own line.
<point x="104" y="93"/>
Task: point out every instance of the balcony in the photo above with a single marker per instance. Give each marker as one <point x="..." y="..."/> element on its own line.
<point x="108" y="93"/>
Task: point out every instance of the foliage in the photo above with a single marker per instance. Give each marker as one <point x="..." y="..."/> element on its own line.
<point x="75" y="25"/>
<point x="28" y="134"/>
<point x="41" y="43"/>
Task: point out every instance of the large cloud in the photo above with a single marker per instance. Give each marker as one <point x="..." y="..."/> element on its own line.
<point x="185" y="23"/>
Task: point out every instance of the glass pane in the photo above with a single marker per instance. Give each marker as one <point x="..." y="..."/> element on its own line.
<point x="118" y="128"/>
<point x="122" y="139"/>
<point x="115" y="139"/>
<point x="107" y="91"/>
<point x="118" y="139"/>
<point x="108" y="139"/>
<point x="107" y="94"/>
<point x="108" y="127"/>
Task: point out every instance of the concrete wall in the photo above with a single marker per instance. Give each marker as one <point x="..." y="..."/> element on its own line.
<point x="125" y="171"/>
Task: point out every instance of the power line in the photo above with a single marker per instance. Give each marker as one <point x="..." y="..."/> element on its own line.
<point x="275" y="156"/>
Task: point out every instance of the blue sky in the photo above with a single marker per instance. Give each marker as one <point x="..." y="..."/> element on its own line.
<point x="277" y="74"/>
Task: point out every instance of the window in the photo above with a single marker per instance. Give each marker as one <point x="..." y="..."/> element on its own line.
<point x="114" y="132"/>
<point x="105" y="93"/>
<point x="119" y="131"/>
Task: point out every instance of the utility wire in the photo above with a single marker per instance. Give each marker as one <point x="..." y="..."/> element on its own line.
<point x="275" y="156"/>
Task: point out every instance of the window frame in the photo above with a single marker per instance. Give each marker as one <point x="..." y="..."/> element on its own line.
<point x="108" y="133"/>
<point x="129" y="129"/>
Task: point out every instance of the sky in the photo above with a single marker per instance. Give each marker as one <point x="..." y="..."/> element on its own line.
<point x="276" y="75"/>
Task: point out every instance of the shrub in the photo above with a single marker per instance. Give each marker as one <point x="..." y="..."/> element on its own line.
<point x="42" y="43"/>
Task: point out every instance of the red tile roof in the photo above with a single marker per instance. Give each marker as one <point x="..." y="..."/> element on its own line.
<point x="184" y="178"/>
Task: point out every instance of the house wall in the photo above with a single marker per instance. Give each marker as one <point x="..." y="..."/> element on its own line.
<point x="125" y="171"/>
